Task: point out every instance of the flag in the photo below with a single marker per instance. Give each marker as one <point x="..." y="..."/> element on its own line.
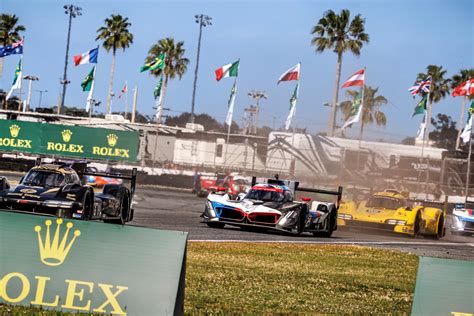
<point x="124" y="90"/>
<point x="465" y="88"/>
<point x="291" y="74"/>
<point x="89" y="57"/>
<point x="157" y="63"/>
<point x="466" y="132"/>
<point x="87" y="83"/>
<point x="16" y="84"/>
<point x="14" y="48"/>
<point x="228" y="119"/>
<point x="356" y="80"/>
<point x="157" y="91"/>
<point x="229" y="70"/>
<point x="420" y="134"/>
<point x="421" y="106"/>
<point x="356" y="111"/>
<point x="292" y="113"/>
<point x="424" y="85"/>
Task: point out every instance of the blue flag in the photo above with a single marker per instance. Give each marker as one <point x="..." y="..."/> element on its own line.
<point x="14" y="48"/>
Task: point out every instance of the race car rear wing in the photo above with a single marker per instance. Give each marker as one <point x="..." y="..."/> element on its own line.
<point x="294" y="186"/>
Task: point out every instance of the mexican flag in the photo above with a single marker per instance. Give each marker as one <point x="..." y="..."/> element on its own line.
<point x="16" y="80"/>
<point x="229" y="70"/>
<point x="87" y="83"/>
<point x="158" y="63"/>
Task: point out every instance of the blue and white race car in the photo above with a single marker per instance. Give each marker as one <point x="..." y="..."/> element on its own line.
<point x="272" y="205"/>
<point x="462" y="219"/>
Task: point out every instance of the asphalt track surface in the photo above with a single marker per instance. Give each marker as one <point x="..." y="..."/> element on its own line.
<point x="180" y="210"/>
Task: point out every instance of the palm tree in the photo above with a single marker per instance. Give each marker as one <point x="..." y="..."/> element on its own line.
<point x="456" y="80"/>
<point x="340" y="34"/>
<point x="114" y="35"/>
<point x="439" y="88"/>
<point x="371" y="112"/>
<point x="175" y="63"/>
<point x="9" y="32"/>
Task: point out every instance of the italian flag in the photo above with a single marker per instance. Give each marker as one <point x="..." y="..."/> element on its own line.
<point x="230" y="70"/>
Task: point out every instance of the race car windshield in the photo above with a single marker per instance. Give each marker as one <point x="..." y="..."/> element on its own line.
<point x="265" y="195"/>
<point x="43" y="179"/>
<point x="384" y="202"/>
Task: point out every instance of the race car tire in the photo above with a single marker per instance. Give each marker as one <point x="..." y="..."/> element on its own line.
<point x="216" y="225"/>
<point x="416" y="225"/>
<point x="332" y="224"/>
<point x="440" y="229"/>
<point x="122" y="195"/>
<point x="87" y="206"/>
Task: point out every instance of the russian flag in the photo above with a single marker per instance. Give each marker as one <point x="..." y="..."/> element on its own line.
<point x="89" y="57"/>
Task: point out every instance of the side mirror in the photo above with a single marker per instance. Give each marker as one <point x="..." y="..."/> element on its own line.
<point x="305" y="199"/>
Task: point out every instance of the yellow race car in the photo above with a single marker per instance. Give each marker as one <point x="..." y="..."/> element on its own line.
<point x="391" y="210"/>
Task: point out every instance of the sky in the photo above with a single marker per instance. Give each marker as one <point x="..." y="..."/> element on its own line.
<point x="269" y="37"/>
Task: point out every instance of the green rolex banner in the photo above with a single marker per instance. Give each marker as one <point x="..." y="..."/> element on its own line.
<point x="68" y="141"/>
<point x="91" y="267"/>
<point x="157" y="63"/>
<point x="87" y="83"/>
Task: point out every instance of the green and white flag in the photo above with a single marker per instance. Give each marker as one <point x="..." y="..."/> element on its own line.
<point x="293" y="100"/>
<point x="157" y="94"/>
<point x="17" y="80"/>
<point x="88" y="85"/>
<point x="421" y="106"/>
<point x="466" y="132"/>
<point x="157" y="91"/>
<point x="230" y="112"/>
<point x="157" y="63"/>
<point x="356" y="111"/>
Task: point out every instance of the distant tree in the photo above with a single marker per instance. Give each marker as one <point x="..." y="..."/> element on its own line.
<point x="444" y="132"/>
<point x="408" y="141"/>
<point x="340" y="34"/>
<point x="175" y="62"/>
<point x="10" y="32"/>
<point x="114" y="35"/>
<point x="371" y="112"/>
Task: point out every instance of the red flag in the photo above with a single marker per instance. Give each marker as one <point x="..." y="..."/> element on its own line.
<point x="356" y="79"/>
<point x="291" y="74"/>
<point x="465" y="88"/>
<point x="124" y="90"/>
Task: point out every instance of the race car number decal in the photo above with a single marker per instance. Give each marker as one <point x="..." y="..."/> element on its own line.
<point x="373" y="211"/>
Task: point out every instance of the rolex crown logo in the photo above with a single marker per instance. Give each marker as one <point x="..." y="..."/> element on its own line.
<point x="53" y="252"/>
<point x="66" y="135"/>
<point x="112" y="139"/>
<point x="14" y="130"/>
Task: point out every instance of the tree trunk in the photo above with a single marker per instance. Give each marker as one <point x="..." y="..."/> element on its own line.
<point x="163" y="91"/>
<point x="461" y="121"/>
<point x="111" y="84"/>
<point x="332" y="117"/>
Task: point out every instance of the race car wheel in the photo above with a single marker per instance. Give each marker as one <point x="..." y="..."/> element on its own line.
<point x="416" y="225"/>
<point x="331" y="224"/>
<point x="87" y="206"/>
<point x="215" y="225"/>
<point x="440" y="229"/>
<point x="124" y="207"/>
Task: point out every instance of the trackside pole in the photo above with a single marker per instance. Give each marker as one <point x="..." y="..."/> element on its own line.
<point x="361" y="118"/>
<point x="468" y="173"/>
<point x="229" y="125"/>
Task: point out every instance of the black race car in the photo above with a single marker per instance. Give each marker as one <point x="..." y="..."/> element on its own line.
<point x="56" y="189"/>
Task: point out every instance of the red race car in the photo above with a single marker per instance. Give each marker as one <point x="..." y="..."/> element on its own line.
<point x="225" y="183"/>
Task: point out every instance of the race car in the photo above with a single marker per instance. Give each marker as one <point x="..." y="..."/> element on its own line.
<point x="56" y="189"/>
<point x="391" y="210"/>
<point x="272" y="205"/>
<point x="231" y="184"/>
<point x="463" y="219"/>
<point x="99" y="181"/>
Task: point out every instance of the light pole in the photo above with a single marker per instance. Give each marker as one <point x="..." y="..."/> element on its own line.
<point x="31" y="78"/>
<point x="203" y="20"/>
<point x="41" y="96"/>
<point x="72" y="11"/>
<point x="257" y="95"/>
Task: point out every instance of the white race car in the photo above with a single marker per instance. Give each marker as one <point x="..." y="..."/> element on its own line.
<point x="462" y="219"/>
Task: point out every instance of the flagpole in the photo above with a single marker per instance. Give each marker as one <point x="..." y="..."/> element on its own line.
<point x="91" y="94"/>
<point x="461" y="122"/>
<point x="21" y="83"/>
<point x="361" y="118"/>
<point x="229" y="125"/>
<point x="468" y="173"/>
<point x="126" y="99"/>
<point x="159" y="108"/>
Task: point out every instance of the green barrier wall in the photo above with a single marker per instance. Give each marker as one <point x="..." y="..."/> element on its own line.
<point x="444" y="287"/>
<point x="72" y="141"/>
<point x="91" y="266"/>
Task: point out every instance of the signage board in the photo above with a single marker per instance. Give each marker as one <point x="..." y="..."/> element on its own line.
<point x="69" y="141"/>
<point x="444" y="287"/>
<point x="90" y="267"/>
